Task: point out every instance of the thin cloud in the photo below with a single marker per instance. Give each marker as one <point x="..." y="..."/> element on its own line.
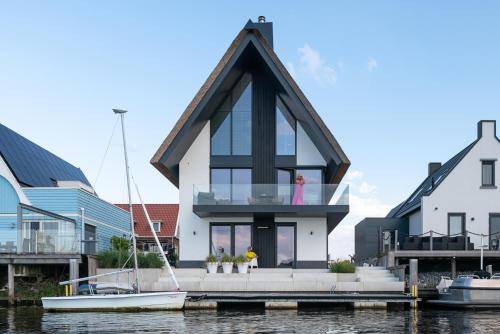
<point x="312" y="64"/>
<point x="366" y="188"/>
<point x="372" y="64"/>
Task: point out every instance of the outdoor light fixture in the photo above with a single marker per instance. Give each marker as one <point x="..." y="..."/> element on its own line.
<point x="312" y="232"/>
<point x="194" y="232"/>
<point x="472" y="218"/>
<point x="435" y="208"/>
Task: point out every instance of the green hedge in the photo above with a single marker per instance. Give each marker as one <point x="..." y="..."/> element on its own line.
<point x="116" y="259"/>
<point x="342" y="267"/>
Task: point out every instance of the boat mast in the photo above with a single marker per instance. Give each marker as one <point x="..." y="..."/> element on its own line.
<point x="134" y="245"/>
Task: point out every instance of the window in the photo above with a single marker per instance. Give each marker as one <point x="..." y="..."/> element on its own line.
<point x="488" y="173"/>
<point x="285" y="181"/>
<point x="494" y="231"/>
<point x="456" y="224"/>
<point x="231" y="127"/>
<point x="157" y="226"/>
<point x="285" y="235"/>
<point x="231" y="239"/>
<point x="285" y="130"/>
<point x="231" y="185"/>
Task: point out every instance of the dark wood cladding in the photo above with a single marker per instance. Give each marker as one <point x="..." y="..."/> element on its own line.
<point x="263" y="128"/>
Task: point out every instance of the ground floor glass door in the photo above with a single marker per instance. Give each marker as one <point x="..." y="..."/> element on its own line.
<point x="494" y="241"/>
<point x="285" y="246"/>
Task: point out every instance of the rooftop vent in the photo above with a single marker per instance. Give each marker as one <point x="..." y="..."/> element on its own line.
<point x="262" y="19"/>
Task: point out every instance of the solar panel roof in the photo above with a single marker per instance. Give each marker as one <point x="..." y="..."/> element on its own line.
<point x="428" y="185"/>
<point x="33" y="165"/>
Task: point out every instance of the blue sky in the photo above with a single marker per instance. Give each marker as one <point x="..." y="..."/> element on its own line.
<point x="398" y="83"/>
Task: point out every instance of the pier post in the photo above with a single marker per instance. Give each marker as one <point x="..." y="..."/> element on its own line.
<point x="74" y="274"/>
<point x="10" y="278"/>
<point x="413" y="280"/>
<point x="453" y="267"/>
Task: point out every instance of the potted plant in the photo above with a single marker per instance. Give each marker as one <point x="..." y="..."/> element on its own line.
<point x="227" y="263"/>
<point x="242" y="264"/>
<point x="212" y="264"/>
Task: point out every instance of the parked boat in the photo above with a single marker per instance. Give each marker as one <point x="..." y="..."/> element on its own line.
<point x="120" y="299"/>
<point x="469" y="291"/>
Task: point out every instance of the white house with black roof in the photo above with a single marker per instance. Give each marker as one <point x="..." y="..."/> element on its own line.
<point x="458" y="198"/>
<point x="235" y="155"/>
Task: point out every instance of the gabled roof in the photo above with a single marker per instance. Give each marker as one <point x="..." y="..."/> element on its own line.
<point x="191" y="122"/>
<point x="165" y="213"/>
<point x="430" y="183"/>
<point x="33" y="165"/>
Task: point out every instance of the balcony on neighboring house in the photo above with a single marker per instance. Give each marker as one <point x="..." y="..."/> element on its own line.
<point x="40" y="232"/>
<point x="282" y="200"/>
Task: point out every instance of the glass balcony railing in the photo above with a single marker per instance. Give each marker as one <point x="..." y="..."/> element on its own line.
<point x="271" y="194"/>
<point x="46" y="242"/>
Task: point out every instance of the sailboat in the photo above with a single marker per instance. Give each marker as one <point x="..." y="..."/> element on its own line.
<point x="169" y="300"/>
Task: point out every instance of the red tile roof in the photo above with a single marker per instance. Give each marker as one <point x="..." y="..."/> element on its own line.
<point x="166" y="213"/>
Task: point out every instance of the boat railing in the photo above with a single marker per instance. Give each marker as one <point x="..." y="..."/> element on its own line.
<point x="469" y="276"/>
<point x="495" y="276"/>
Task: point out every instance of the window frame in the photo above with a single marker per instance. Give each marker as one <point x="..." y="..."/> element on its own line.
<point x="455" y="214"/>
<point x="284" y="224"/>
<point x="492" y="163"/>
<point x="232" y="234"/>
<point x="153" y="222"/>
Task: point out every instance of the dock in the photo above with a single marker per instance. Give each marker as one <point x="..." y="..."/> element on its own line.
<point x="266" y="300"/>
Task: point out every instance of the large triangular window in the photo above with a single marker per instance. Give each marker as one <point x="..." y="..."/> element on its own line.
<point x="231" y="126"/>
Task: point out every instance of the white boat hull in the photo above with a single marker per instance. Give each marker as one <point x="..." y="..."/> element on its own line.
<point x="124" y="302"/>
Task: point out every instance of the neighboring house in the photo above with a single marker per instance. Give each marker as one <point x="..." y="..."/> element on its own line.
<point x="164" y="219"/>
<point x="48" y="209"/>
<point x="458" y="198"/>
<point x="235" y="153"/>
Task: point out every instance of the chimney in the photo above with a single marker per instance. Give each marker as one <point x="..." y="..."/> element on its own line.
<point x="265" y="28"/>
<point x="486" y="128"/>
<point x="433" y="167"/>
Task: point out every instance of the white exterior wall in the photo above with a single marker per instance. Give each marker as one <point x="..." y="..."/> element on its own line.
<point x="194" y="169"/>
<point x="309" y="247"/>
<point x="7" y="174"/>
<point x="415" y="223"/>
<point x="307" y="153"/>
<point x="461" y="191"/>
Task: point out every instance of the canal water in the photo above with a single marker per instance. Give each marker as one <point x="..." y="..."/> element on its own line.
<point x="34" y="320"/>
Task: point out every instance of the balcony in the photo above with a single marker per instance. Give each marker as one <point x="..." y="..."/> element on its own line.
<point x="282" y="200"/>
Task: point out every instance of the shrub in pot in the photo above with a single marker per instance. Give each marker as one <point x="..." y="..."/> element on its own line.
<point x="212" y="264"/>
<point x="227" y="263"/>
<point x="342" y="267"/>
<point x="242" y="264"/>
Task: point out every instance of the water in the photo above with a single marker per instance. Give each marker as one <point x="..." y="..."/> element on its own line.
<point x="34" y="320"/>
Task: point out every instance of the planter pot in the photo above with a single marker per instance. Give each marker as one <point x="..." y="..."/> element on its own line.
<point x="227" y="267"/>
<point x="212" y="267"/>
<point x="242" y="267"/>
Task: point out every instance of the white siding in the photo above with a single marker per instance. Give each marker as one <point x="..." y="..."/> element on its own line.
<point x="7" y="174"/>
<point x="307" y="153"/>
<point x="194" y="169"/>
<point x="461" y="191"/>
<point x="309" y="247"/>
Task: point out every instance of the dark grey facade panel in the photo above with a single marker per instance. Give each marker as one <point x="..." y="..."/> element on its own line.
<point x="366" y="235"/>
<point x="311" y="265"/>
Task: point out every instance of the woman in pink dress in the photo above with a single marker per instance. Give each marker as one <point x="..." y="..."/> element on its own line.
<point x="298" y="195"/>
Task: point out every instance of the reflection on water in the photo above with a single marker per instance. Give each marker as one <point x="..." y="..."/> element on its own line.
<point x="33" y="319"/>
